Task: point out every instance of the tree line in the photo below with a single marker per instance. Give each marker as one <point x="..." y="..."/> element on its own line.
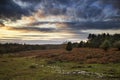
<point x="104" y="41"/>
<point x="15" y="47"/>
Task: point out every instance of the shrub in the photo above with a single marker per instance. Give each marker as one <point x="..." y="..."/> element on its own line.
<point x="117" y="45"/>
<point x="33" y="66"/>
<point x="69" y="46"/>
<point x="51" y="62"/>
<point x="105" y="45"/>
<point x="81" y="44"/>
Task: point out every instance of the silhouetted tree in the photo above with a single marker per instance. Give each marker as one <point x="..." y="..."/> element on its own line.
<point x="96" y="40"/>
<point x="81" y="44"/>
<point x="75" y="45"/>
<point x="69" y="46"/>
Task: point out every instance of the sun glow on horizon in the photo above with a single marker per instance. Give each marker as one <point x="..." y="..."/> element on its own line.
<point x="60" y="23"/>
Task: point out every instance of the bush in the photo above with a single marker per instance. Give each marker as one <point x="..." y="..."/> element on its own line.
<point x="69" y="46"/>
<point x="81" y="44"/>
<point x="117" y="45"/>
<point x="33" y="66"/>
<point x="105" y="45"/>
<point x="51" y="62"/>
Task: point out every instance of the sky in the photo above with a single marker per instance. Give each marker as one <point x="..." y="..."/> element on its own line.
<point x="56" y="21"/>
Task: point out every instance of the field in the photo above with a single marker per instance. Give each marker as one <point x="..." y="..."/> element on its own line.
<point x="58" y="64"/>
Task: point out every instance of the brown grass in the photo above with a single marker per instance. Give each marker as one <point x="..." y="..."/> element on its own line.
<point x="82" y="55"/>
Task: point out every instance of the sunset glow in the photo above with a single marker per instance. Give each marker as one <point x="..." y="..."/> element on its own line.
<point x="58" y="21"/>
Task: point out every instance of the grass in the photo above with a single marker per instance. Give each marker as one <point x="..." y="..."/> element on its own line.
<point x="37" y="66"/>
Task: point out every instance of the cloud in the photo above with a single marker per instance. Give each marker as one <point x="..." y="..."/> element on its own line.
<point x="22" y="4"/>
<point x="2" y="24"/>
<point x="114" y="2"/>
<point x="57" y="19"/>
<point x="8" y="9"/>
<point x="31" y="29"/>
<point x="94" y="25"/>
<point x="75" y="9"/>
<point x="78" y="10"/>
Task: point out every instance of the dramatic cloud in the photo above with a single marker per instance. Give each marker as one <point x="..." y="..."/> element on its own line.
<point x="94" y="25"/>
<point x="57" y="20"/>
<point x="75" y="9"/>
<point x="9" y="9"/>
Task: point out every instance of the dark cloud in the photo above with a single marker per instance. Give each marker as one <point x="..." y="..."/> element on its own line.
<point x="8" y="9"/>
<point x="88" y="9"/>
<point x="113" y="24"/>
<point x="115" y="3"/>
<point x="77" y="9"/>
<point x="46" y="22"/>
<point x="79" y="16"/>
<point x="36" y="29"/>
<point x="93" y="25"/>
<point x="33" y="1"/>
<point x="74" y="27"/>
